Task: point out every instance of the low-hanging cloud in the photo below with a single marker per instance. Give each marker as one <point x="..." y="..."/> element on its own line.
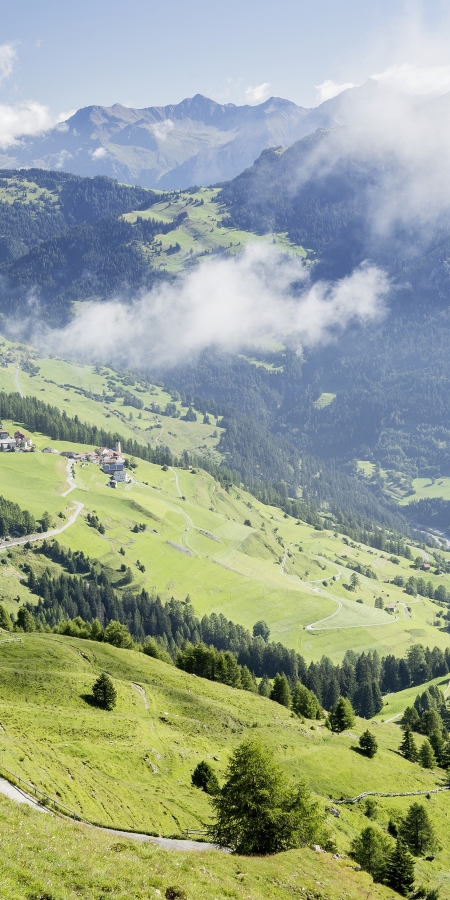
<point x="225" y="304"/>
<point x="329" y="89"/>
<point x="258" y="94"/>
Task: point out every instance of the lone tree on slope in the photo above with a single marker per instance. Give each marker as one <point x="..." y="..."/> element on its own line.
<point x="368" y="744"/>
<point x="257" y="812"/>
<point x="104" y="692"/>
<point x="204" y="777"/>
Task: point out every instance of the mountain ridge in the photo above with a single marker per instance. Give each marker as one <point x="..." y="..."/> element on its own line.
<point x="196" y="141"/>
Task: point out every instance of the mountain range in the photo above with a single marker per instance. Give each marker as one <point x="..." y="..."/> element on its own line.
<point x="193" y="142"/>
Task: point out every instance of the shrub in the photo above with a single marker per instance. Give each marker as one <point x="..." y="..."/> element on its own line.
<point x="368" y="744"/>
<point x="104" y="692"/>
<point x="205" y="778"/>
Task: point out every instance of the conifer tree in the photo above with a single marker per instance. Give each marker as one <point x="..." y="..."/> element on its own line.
<point x="205" y="778"/>
<point x="247" y="682"/>
<point x="400" y="869"/>
<point x="5" y="621"/>
<point x="281" y="691"/>
<point x="257" y="812"/>
<point x="371" y="850"/>
<point x="427" y="758"/>
<point x="305" y="702"/>
<point x="445" y="756"/>
<point x="104" y="692"/>
<point x="368" y="744"/>
<point x="342" y="716"/>
<point x="408" y="747"/>
<point x="417" y="830"/>
<point x="437" y="742"/>
<point x="264" y="687"/>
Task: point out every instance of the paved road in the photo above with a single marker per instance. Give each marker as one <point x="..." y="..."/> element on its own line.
<point x="14" y="793"/>
<point x="5" y="545"/>
<point x="19" y="796"/>
<point x="45" y="534"/>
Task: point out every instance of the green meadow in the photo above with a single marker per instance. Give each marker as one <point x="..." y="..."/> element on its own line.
<point x="85" y="391"/>
<point x="65" y="861"/>
<point x="131" y="768"/>
<point x="196" y="542"/>
<point x="201" y="233"/>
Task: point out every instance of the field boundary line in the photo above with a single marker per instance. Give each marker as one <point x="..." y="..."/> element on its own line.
<point x="400" y="794"/>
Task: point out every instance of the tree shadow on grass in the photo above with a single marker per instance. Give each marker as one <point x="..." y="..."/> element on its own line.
<point x="359" y="751"/>
<point x="90" y="700"/>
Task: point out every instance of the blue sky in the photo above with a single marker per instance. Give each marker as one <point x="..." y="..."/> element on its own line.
<point x="65" y="55"/>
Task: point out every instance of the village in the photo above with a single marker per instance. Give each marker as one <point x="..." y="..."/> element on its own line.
<point x="19" y="442"/>
<point x="111" y="462"/>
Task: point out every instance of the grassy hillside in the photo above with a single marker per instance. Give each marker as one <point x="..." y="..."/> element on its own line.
<point x="130" y="768"/>
<point x="80" y="862"/>
<point x="202" y="232"/>
<point x="87" y="391"/>
<point x="196" y="542"/>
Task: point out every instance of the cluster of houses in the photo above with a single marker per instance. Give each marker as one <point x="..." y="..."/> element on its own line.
<point x="111" y="462"/>
<point x="19" y="442"/>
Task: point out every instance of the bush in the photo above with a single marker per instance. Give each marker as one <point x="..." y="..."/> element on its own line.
<point x="118" y="635"/>
<point x="104" y="692"/>
<point x="368" y="744"/>
<point x="205" y="778"/>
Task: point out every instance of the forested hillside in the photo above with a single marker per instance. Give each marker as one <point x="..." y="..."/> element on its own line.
<point x="61" y="239"/>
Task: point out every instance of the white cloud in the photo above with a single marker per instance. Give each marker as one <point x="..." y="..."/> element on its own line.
<point x="225" y="304"/>
<point x="259" y="93"/>
<point x="8" y="57"/>
<point x="99" y="153"/>
<point x="413" y="79"/>
<point x="162" y="129"/>
<point x="63" y="116"/>
<point x="329" y="89"/>
<point x="26" y="118"/>
<point x="60" y="159"/>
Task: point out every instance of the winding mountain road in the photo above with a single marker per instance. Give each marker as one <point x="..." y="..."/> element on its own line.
<point x="15" y="542"/>
<point x="17" y="795"/>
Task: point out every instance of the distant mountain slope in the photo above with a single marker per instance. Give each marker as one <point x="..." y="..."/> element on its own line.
<point x="196" y="141"/>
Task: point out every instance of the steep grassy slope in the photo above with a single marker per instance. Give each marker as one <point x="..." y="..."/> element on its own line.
<point x="65" y="861"/>
<point x="130" y="768"/>
<point x="202" y="232"/>
<point x="88" y="392"/>
<point x="196" y="542"/>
